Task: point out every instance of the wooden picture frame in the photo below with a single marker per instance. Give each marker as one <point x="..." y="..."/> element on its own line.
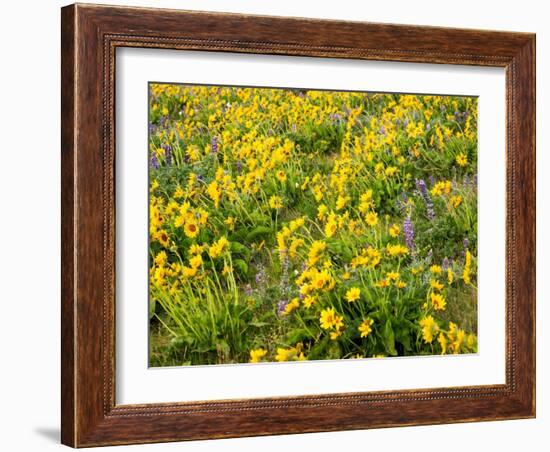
<point x="90" y="35"/>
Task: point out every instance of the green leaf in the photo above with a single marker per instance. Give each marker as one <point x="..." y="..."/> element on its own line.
<point x="259" y="218"/>
<point x="389" y="339"/>
<point x="258" y="231"/>
<point x="239" y="248"/>
<point x="298" y="335"/>
<point x="241" y="266"/>
<point x="403" y="338"/>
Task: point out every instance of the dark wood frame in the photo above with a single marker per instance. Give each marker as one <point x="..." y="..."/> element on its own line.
<point x="90" y="35"/>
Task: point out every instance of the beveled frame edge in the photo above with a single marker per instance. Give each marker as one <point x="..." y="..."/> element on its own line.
<point x="90" y="35"/>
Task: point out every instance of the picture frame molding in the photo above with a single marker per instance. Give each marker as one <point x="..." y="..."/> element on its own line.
<point x="90" y="35"/>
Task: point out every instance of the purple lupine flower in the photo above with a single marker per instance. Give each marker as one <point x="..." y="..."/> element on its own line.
<point x="167" y="154"/>
<point x="260" y="276"/>
<point x="248" y="290"/>
<point x="154" y="161"/>
<point x="431" y="179"/>
<point x="445" y="264"/>
<point x="239" y="166"/>
<point x="409" y="232"/>
<point x="214" y="145"/>
<point x="474" y="180"/>
<point x="382" y="130"/>
<point x="465" y="243"/>
<point x="421" y="186"/>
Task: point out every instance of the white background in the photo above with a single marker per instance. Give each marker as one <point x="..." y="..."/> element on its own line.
<point x="29" y="264"/>
<point x="137" y="384"/>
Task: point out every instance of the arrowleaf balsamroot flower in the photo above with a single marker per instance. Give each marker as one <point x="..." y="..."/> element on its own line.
<point x="353" y="294"/>
<point x="438" y="301"/>
<point x="429" y="328"/>
<point x="366" y="327"/>
<point x="461" y="159"/>
<point x="256" y="355"/>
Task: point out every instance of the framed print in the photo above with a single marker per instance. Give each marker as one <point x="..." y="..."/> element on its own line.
<point x="281" y="225"/>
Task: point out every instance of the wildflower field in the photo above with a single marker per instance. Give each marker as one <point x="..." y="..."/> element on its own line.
<point x="289" y="225"/>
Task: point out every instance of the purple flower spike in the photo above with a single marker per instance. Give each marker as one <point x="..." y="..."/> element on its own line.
<point x="260" y="276"/>
<point x="446" y="264"/>
<point x="214" y="145"/>
<point x="154" y="161"/>
<point x="421" y="186"/>
<point x="167" y="154"/>
<point x="409" y="232"/>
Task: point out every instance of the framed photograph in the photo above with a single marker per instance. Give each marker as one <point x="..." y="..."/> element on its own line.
<point x="280" y="225"/>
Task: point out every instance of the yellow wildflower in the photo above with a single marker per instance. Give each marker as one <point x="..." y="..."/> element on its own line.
<point x="435" y="284"/>
<point x="436" y="269"/>
<point x="218" y="248"/>
<point x="214" y="191"/>
<point x="341" y="202"/>
<point x="189" y="272"/>
<point x="331" y="227"/>
<point x="366" y="327"/>
<point x="230" y="222"/>
<point x="392" y="276"/>
<point x="438" y="301"/>
<point x="450" y="276"/>
<point x="309" y="301"/>
<point x="396" y="250"/>
<point x="257" y="354"/>
<point x="276" y="202"/>
<point x="321" y="211"/>
<point x="315" y="252"/>
<point x="195" y="261"/>
<point x="442" y="342"/>
<point x="292" y="305"/>
<point x="281" y="175"/>
<point x="395" y="230"/>
<point x="161" y="258"/>
<point x="461" y="159"/>
<point x="429" y="328"/>
<point x="163" y="238"/>
<point x="371" y="218"/>
<point x="328" y="318"/>
<point x="353" y="294"/>
<point x="455" y="201"/>
<point x="191" y="229"/>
